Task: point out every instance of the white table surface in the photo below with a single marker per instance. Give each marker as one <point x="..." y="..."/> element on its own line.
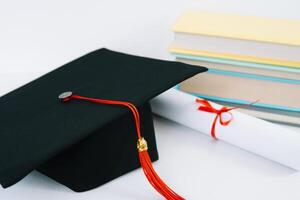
<point x="38" y="36"/>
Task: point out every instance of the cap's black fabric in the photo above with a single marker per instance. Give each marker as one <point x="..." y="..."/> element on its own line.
<point x="80" y="144"/>
<point x="105" y="154"/>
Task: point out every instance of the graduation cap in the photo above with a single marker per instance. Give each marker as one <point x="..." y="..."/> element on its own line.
<point x="80" y="141"/>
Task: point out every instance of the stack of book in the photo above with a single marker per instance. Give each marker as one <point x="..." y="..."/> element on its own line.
<point x="249" y="59"/>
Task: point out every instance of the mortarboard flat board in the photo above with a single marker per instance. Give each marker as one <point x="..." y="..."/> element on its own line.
<point x="80" y="144"/>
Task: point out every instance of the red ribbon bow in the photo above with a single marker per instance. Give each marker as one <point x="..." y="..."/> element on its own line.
<point x="207" y="107"/>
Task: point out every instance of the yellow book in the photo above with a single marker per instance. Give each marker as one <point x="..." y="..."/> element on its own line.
<point x="240" y="37"/>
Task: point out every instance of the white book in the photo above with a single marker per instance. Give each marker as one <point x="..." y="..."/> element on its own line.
<point x="220" y="45"/>
<point x="244" y="69"/>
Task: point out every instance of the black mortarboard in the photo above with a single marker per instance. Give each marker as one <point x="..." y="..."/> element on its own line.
<point x="80" y="144"/>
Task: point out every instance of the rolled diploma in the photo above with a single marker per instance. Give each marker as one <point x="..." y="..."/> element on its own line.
<point x="249" y="133"/>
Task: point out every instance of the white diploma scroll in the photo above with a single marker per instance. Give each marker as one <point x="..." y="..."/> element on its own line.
<point x="257" y="136"/>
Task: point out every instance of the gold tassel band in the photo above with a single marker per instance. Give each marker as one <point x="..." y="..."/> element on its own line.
<point x="142" y="145"/>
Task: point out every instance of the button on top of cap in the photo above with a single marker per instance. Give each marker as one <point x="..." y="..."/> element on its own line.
<point x="65" y="95"/>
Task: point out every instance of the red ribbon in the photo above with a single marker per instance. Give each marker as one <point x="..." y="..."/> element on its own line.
<point x="207" y="107"/>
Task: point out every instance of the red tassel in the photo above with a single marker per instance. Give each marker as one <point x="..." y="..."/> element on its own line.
<point x="142" y="146"/>
<point x="151" y="175"/>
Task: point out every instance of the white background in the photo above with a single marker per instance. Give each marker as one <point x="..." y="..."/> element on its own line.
<point x="37" y="36"/>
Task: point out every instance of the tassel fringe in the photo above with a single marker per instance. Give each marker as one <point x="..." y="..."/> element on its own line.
<point x="152" y="176"/>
